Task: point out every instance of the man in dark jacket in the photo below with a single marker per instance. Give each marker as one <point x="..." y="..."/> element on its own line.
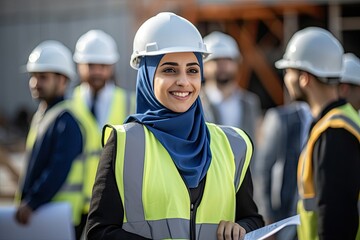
<point x="54" y="140"/>
<point x="328" y="169"/>
<point x="284" y="132"/>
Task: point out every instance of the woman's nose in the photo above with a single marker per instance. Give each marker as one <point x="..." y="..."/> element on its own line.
<point x="182" y="80"/>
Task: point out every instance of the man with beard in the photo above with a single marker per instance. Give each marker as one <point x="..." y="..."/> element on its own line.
<point x="97" y="99"/>
<point x="54" y="141"/>
<point x="232" y="105"/>
<point x="328" y="168"/>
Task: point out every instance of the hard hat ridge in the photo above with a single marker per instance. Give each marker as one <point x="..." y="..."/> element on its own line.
<point x="351" y="69"/>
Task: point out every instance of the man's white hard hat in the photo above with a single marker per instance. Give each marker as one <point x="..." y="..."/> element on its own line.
<point x="221" y="45"/>
<point x="51" y="56"/>
<point x="96" y="47"/>
<point x="314" y="50"/>
<point x="351" y="69"/>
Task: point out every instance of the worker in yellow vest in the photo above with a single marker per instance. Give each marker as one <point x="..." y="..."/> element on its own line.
<point x="232" y="105"/>
<point x="54" y="142"/>
<point x="328" y="168"/>
<point x="97" y="100"/>
<point x="166" y="173"/>
<point x="349" y="87"/>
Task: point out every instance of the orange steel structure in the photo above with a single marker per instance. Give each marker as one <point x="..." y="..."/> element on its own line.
<point x="241" y="19"/>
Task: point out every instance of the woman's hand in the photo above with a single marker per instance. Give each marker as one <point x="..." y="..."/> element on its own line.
<point x="230" y="231"/>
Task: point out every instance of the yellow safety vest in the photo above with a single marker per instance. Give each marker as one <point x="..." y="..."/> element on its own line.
<point x="71" y="191"/>
<point x="342" y="117"/>
<point x="122" y="105"/>
<point x="155" y="198"/>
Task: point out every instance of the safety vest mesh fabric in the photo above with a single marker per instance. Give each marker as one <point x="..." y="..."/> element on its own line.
<point x="342" y="117"/>
<point x="155" y="198"/>
<point x="122" y="104"/>
<point x="71" y="191"/>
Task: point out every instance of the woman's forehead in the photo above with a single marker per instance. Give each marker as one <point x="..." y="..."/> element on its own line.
<point x="180" y="57"/>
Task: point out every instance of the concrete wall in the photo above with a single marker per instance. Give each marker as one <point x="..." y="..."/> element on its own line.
<point x="24" y="24"/>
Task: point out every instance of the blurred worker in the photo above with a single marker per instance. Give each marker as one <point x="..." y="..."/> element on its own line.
<point x="208" y="107"/>
<point x="284" y="132"/>
<point x="97" y="99"/>
<point x="328" y="169"/>
<point x="349" y="87"/>
<point x="166" y="173"/>
<point x="233" y="106"/>
<point x="54" y="142"/>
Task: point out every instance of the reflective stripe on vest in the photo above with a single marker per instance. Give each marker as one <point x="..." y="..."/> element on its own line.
<point x="137" y="162"/>
<point x="343" y="117"/>
<point x="44" y="120"/>
<point x="121" y="106"/>
<point x="237" y="149"/>
<point x="71" y="190"/>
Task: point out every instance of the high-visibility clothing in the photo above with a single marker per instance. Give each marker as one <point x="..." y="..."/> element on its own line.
<point x="71" y="191"/>
<point x="122" y="105"/>
<point x="341" y="117"/>
<point x="155" y="198"/>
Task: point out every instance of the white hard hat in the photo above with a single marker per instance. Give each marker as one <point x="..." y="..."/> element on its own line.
<point x="221" y="45"/>
<point x="351" y="69"/>
<point x="96" y="47"/>
<point x="314" y="50"/>
<point x="51" y="56"/>
<point x="166" y="33"/>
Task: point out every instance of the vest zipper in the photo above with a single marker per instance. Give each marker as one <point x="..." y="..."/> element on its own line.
<point x="192" y="222"/>
<point x="193" y="208"/>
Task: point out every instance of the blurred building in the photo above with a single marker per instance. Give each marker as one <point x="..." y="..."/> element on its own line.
<point x="262" y="28"/>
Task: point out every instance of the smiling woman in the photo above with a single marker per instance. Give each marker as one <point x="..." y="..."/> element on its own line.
<point x="166" y="173"/>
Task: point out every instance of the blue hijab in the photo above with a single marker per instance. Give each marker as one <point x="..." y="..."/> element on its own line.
<point x="184" y="135"/>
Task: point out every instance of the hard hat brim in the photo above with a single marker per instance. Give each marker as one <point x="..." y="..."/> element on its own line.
<point x="282" y="64"/>
<point x="30" y="68"/>
<point x="95" y="59"/>
<point x="135" y="58"/>
<point x="305" y="66"/>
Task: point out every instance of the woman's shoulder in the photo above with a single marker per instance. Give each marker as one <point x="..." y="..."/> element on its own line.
<point x="120" y="130"/>
<point x="227" y="130"/>
<point x="123" y="128"/>
<point x="220" y="127"/>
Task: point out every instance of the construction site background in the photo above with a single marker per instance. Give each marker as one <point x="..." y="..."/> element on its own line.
<point x="261" y="28"/>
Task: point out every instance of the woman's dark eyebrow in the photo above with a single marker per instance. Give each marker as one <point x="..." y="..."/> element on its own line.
<point x="176" y="64"/>
<point x="170" y="63"/>
<point x="192" y="64"/>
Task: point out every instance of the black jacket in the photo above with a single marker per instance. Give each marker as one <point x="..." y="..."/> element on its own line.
<point x="336" y="168"/>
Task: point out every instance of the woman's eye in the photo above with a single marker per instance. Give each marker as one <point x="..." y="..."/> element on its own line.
<point x="193" y="70"/>
<point x="169" y="70"/>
